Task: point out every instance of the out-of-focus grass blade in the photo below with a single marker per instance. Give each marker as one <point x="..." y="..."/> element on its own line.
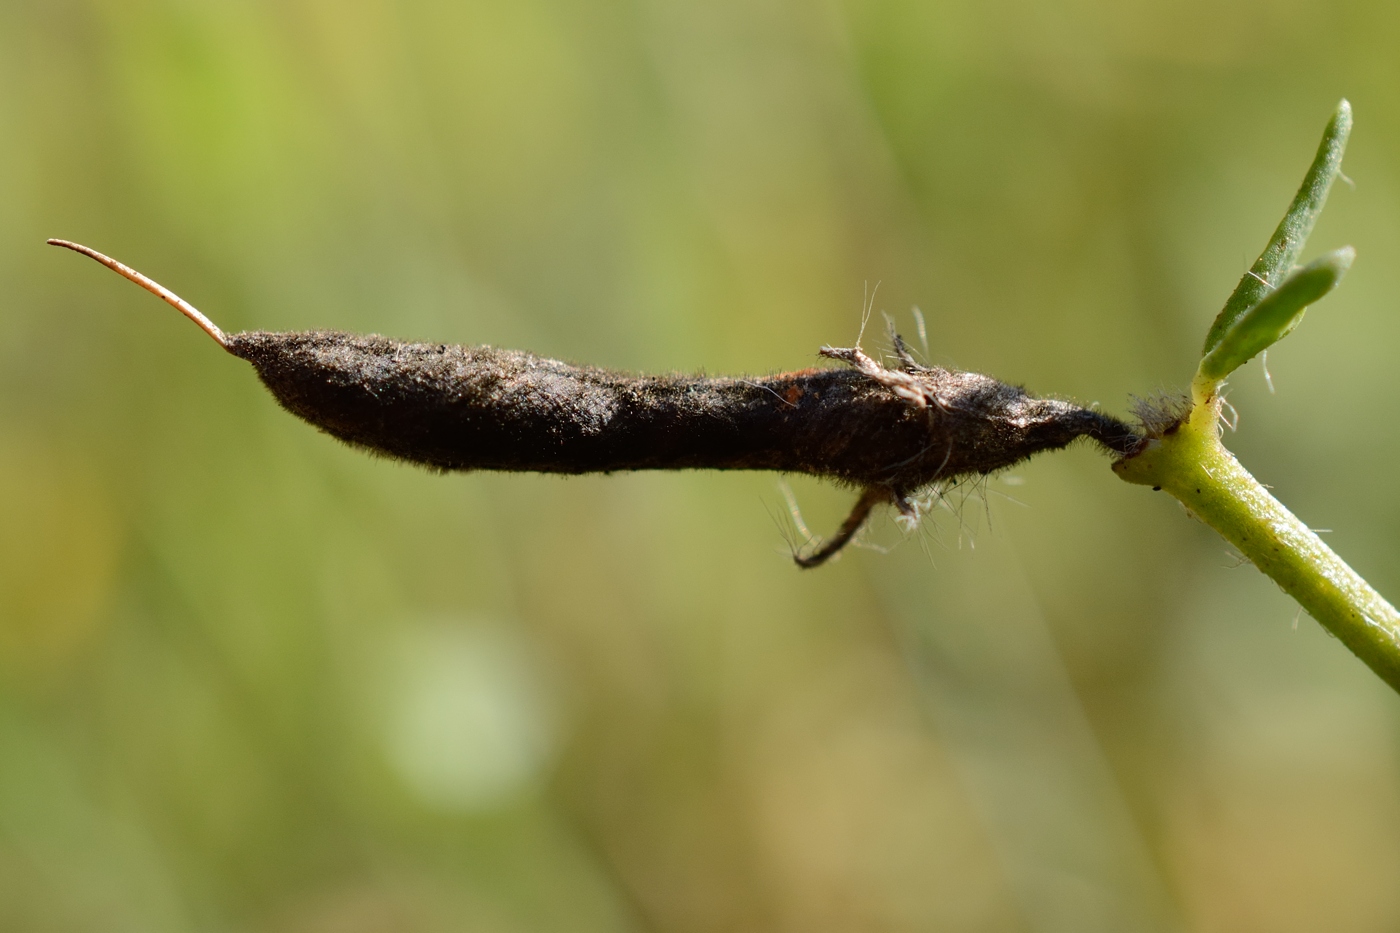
<point x="1292" y="233"/>
<point x="1271" y="319"/>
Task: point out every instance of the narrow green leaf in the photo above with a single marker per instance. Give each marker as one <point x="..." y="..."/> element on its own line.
<point x="1292" y="233"/>
<point x="1271" y="319"/>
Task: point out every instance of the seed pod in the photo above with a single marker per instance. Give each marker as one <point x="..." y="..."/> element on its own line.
<point x="886" y="431"/>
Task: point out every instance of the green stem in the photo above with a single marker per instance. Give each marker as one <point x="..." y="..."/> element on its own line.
<point x="1189" y="462"/>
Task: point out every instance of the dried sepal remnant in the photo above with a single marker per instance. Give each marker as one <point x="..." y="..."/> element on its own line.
<point x="886" y="431"/>
<point x="825" y="550"/>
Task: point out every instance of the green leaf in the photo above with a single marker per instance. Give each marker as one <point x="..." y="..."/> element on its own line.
<point x="1271" y="319"/>
<point x="1287" y="242"/>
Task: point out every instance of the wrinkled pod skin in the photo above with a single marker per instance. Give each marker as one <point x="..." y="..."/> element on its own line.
<point x="482" y="408"/>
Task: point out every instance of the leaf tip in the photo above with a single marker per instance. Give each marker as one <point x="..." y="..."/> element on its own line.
<point x="1339" y="128"/>
<point x="1332" y="267"/>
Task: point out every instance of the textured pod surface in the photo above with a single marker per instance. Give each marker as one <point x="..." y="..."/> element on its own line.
<point x="481" y="408"/>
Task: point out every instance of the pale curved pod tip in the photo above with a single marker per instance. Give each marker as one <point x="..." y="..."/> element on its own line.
<point x="150" y="285"/>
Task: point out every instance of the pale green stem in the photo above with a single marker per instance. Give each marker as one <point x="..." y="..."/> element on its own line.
<point x="1190" y="463"/>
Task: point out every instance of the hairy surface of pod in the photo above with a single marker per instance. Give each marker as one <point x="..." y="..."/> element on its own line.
<point x="482" y="408"/>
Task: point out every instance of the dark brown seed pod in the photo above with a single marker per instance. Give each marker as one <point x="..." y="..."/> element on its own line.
<point x="886" y="431"/>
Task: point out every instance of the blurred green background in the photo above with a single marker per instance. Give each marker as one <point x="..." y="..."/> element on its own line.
<point x="251" y="680"/>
